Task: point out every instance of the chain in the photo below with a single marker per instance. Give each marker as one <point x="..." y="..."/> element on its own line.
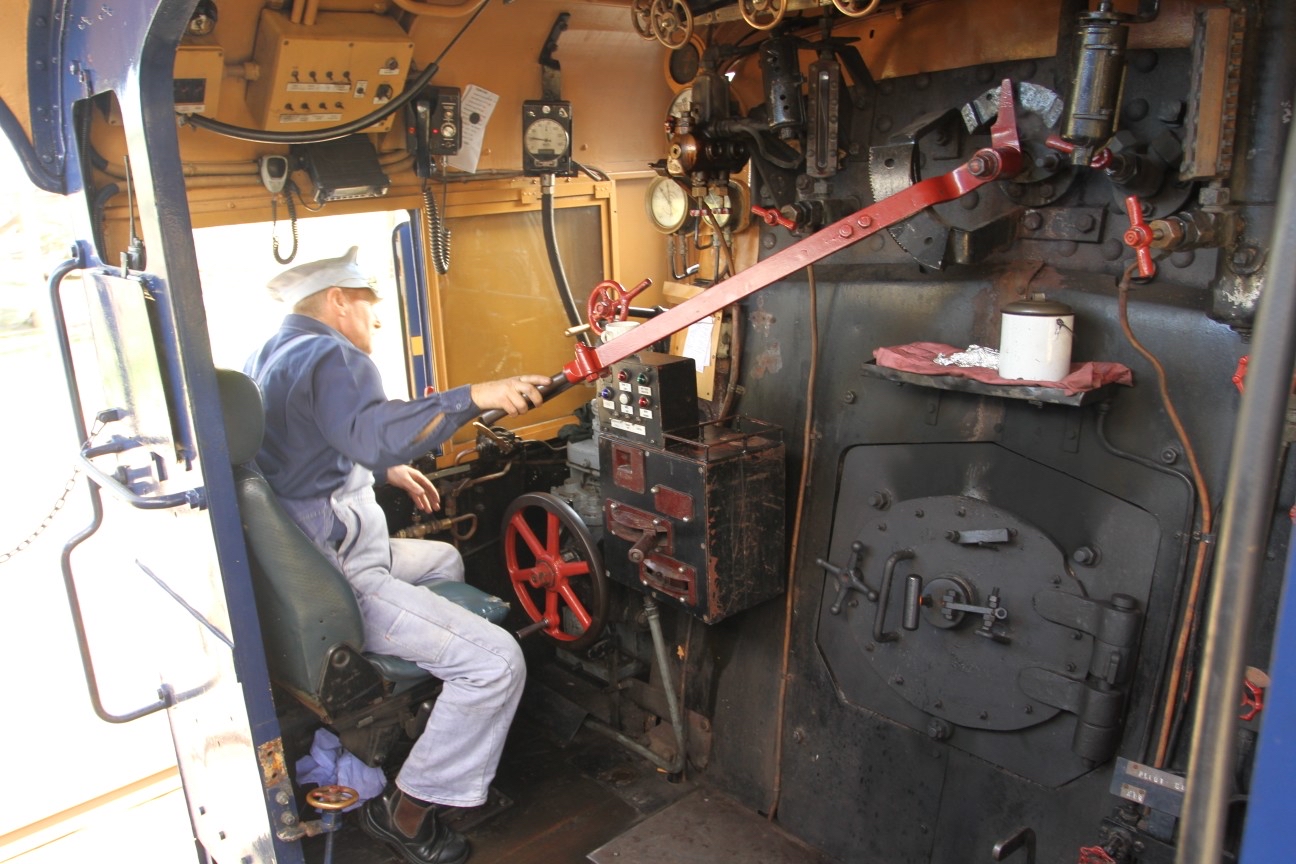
<point x="45" y="523"/>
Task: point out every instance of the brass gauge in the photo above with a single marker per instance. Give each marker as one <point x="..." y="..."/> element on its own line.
<point x="667" y="204"/>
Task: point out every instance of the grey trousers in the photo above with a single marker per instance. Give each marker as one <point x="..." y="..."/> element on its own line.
<point x="480" y="664"/>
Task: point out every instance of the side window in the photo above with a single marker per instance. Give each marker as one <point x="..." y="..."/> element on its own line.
<point x="236" y="263"/>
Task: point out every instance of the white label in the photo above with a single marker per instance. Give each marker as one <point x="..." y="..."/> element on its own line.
<point x="625" y="385"/>
<point x="636" y="428"/>
<point x="626" y="409"/>
<point x="609" y="404"/>
<point x="478" y="104"/>
<point x="316" y="87"/>
<point x="645" y="413"/>
<point x="309" y="118"/>
<point x="389" y="71"/>
<point x="645" y="391"/>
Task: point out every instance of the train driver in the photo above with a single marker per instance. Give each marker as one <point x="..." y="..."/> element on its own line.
<point x="330" y="430"/>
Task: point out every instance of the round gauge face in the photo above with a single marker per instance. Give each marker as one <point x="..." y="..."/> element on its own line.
<point x="545" y="137"/>
<point x="667" y="204"/>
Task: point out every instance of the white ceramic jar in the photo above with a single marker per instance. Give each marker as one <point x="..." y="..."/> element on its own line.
<point x="1035" y="340"/>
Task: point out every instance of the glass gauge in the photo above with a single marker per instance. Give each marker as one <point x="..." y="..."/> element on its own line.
<point x="680" y="105"/>
<point x="545" y="136"/>
<point x="720" y="208"/>
<point x="733" y="209"/>
<point x="667" y="205"/>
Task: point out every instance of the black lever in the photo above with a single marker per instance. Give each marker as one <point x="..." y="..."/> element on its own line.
<point x="557" y="384"/>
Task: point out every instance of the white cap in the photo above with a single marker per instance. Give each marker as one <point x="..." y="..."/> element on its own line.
<point x="300" y="282"/>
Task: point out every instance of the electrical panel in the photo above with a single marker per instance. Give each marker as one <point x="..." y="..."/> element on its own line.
<point x="199" y="70"/>
<point x="698" y="522"/>
<point x="342" y="67"/>
<point x="646" y="395"/>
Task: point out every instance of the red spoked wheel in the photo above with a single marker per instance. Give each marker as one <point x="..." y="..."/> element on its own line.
<point x="609" y="301"/>
<point x="555" y="568"/>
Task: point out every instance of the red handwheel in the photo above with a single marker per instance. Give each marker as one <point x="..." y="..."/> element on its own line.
<point x="555" y="568"/>
<point x="611" y="302"/>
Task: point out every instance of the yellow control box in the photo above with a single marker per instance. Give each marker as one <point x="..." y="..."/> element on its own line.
<point x="198" y="73"/>
<point x="342" y="67"/>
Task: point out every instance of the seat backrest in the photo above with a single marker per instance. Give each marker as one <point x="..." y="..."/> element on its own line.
<point x="305" y="605"/>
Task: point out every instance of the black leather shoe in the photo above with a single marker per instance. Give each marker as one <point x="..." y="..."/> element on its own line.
<point x="434" y="843"/>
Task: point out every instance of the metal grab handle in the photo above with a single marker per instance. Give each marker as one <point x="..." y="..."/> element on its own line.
<point x="195" y="498"/>
<point x="96" y="505"/>
<point x="1022" y="837"/>
<point x="888" y="576"/>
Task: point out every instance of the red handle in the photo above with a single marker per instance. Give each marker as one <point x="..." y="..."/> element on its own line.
<point x="772" y="216"/>
<point x="1139" y="237"/>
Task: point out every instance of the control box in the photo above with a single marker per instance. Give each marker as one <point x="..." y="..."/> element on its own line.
<point x="342" y="67"/>
<point x="199" y="69"/>
<point x="646" y="395"/>
<point x="435" y="126"/>
<point x="698" y="522"/>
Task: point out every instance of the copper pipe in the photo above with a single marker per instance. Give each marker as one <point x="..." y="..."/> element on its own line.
<point x="298" y="8"/>
<point x="311" y="13"/>
<point x="807" y="451"/>
<point x="1176" y="692"/>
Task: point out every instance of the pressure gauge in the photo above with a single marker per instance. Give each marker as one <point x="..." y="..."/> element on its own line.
<point x="546" y="138"/>
<point x="732" y="210"/>
<point x="667" y="204"/>
<point x="679" y="106"/>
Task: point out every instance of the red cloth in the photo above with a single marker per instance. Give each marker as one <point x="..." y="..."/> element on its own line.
<point x="920" y="357"/>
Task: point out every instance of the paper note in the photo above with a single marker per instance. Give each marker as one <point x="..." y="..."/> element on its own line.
<point x="697" y="344"/>
<point x="475" y="109"/>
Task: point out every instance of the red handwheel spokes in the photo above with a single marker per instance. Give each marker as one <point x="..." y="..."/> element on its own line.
<point x="610" y="302"/>
<point x="555" y="569"/>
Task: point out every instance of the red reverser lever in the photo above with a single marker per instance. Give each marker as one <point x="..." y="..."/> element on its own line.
<point x="1003" y="158"/>
<point x="1139" y="237"/>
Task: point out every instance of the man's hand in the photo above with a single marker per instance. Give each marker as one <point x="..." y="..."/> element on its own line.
<point x="421" y="490"/>
<point x="514" y="396"/>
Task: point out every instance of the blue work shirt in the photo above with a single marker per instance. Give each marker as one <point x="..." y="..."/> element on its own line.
<point x="326" y="411"/>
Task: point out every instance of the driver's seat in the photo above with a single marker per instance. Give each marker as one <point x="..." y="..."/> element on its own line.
<point x="310" y="621"/>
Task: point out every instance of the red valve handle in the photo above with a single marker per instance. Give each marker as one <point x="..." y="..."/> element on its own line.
<point x="1100" y="160"/>
<point x="1139" y="237"/>
<point x="611" y="302"/>
<point x="772" y="216"/>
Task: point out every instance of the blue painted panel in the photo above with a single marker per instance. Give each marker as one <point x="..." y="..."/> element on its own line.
<point x="1269" y="815"/>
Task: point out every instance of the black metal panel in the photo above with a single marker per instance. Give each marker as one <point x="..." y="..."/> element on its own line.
<point x="698" y="523"/>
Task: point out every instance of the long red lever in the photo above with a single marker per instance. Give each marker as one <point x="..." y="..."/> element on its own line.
<point x="1003" y="158"/>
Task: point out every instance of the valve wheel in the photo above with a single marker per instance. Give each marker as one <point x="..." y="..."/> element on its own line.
<point x="555" y="569"/>
<point x="856" y="8"/>
<point x="641" y="16"/>
<point x="672" y="23"/>
<point x="609" y="301"/>
<point x="332" y="797"/>
<point x="763" y="14"/>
